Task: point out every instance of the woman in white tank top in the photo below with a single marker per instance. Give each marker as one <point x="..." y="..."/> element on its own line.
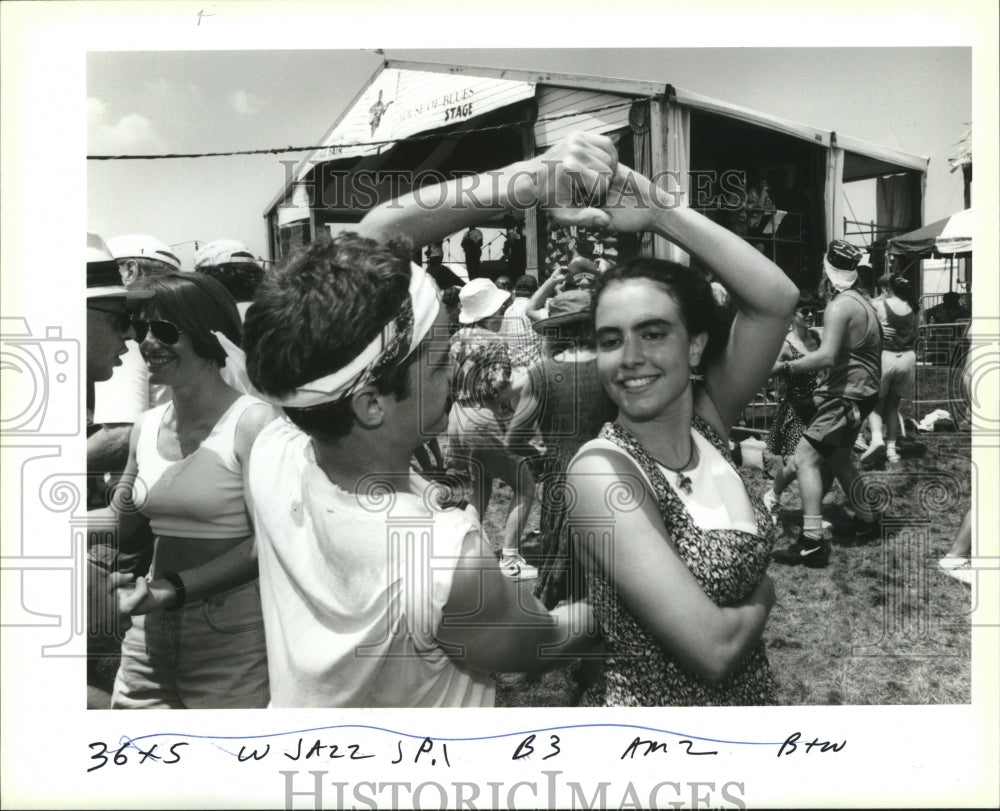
<point x="196" y="639"/>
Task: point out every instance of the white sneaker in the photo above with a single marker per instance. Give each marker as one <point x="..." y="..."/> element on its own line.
<point x="517" y="568"/>
<point x="860" y="444"/>
<point x="892" y="457"/>
<point x="959" y="568"/>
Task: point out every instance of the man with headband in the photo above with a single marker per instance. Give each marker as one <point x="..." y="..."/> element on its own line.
<point x="373" y="594"/>
<point x="851" y="352"/>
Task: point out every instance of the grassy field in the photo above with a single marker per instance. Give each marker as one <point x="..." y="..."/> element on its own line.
<point x="879" y="625"/>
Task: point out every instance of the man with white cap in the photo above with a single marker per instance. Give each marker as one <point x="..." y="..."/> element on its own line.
<point x="230" y="262"/>
<point x="373" y="594"/>
<point x="108" y="319"/>
<point x="851" y="354"/>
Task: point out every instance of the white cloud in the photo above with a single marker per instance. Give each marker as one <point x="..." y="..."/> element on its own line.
<point x="129" y="134"/>
<point x="168" y="93"/>
<point x="246" y="104"/>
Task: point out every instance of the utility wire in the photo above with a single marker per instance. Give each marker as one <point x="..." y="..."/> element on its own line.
<point x="418" y="137"/>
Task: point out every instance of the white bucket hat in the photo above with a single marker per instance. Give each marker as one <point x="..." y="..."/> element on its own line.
<point x="140" y="246"/>
<point x="223" y="252"/>
<point x="480" y="299"/>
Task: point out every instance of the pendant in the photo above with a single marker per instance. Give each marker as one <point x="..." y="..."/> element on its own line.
<point x="684" y="482"/>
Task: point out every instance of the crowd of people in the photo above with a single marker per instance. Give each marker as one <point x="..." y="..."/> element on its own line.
<point x="266" y="443"/>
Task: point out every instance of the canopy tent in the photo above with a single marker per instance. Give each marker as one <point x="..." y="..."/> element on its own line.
<point x="414" y="120"/>
<point x="951" y="236"/>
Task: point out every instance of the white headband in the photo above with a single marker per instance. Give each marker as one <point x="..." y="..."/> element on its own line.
<point x="840" y="279"/>
<point x="397" y="340"/>
<point x="235" y="370"/>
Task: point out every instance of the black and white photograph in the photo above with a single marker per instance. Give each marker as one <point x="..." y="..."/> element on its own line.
<point x="631" y="401"/>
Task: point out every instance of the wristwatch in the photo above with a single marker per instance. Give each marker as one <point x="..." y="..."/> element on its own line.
<point x="180" y="593"/>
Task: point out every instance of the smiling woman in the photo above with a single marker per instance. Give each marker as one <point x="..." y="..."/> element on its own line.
<point x="197" y="637"/>
<point x="653" y="332"/>
<point x="677" y="584"/>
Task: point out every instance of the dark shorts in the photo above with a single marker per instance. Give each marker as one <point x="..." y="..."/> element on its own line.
<point x="835" y="422"/>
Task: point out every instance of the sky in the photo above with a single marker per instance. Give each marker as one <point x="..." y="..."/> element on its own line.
<point x="915" y="99"/>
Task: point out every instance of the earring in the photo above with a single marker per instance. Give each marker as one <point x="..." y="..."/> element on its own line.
<point x="694" y="376"/>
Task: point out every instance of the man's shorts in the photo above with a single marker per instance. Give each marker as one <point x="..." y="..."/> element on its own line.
<point x="836" y="422"/>
<point x="476" y="439"/>
<point x="898" y="372"/>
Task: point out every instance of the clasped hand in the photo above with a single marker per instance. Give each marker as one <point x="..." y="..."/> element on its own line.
<point x="142" y="596"/>
<point x="579" y="181"/>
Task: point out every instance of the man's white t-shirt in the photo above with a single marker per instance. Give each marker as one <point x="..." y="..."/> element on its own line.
<point x="353" y="586"/>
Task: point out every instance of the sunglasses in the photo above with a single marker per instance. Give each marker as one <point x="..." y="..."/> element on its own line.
<point x="124" y="317"/>
<point x="807" y="312"/>
<point x="166" y="332"/>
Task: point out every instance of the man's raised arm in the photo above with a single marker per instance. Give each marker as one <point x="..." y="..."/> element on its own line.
<point x="580" y="164"/>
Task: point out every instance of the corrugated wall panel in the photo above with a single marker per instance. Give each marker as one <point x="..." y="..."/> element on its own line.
<point x="558" y="101"/>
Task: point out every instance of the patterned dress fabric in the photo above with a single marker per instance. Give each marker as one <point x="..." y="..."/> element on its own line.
<point x="787" y="428"/>
<point x="728" y="564"/>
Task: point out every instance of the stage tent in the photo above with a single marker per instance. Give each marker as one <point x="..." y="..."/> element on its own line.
<point x="415" y="122"/>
